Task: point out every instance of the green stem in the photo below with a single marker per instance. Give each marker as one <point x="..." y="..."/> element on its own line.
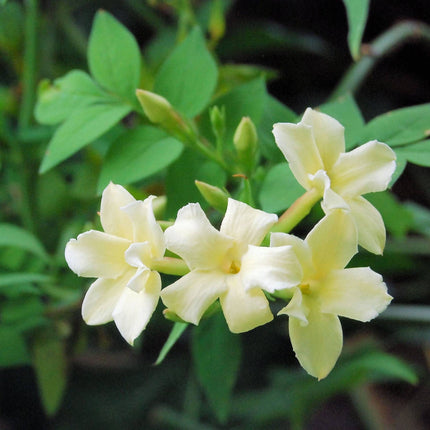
<point x="386" y="43"/>
<point x="29" y="72"/>
<point x="412" y="313"/>
<point x="297" y="211"/>
<point x="170" y="266"/>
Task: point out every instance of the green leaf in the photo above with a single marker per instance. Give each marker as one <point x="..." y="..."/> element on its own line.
<point x="417" y="153"/>
<point x="400" y="167"/>
<point x="58" y="100"/>
<point x="14" y="236"/>
<point x="347" y="112"/>
<point x="279" y="189"/>
<point x="81" y="128"/>
<point x="188" y="77"/>
<point x="274" y="111"/>
<point x="400" y="127"/>
<point x="180" y="185"/>
<point x="137" y="154"/>
<point x="357" y="11"/>
<point x="114" y="56"/>
<point x="50" y="366"/>
<point x="216" y="354"/>
<point x="14" y="350"/>
<point x="174" y="335"/>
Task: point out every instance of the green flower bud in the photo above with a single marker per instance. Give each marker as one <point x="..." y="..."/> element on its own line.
<point x="217" y="116"/>
<point x="156" y="107"/>
<point x="245" y="141"/>
<point x="216" y="197"/>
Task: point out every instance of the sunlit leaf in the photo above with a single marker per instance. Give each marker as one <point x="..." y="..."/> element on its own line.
<point x="279" y="189"/>
<point x="80" y="129"/>
<point x="114" y="56"/>
<point x="188" y="76"/>
<point x="400" y="127"/>
<point x="137" y="154"/>
<point x="58" y="100"/>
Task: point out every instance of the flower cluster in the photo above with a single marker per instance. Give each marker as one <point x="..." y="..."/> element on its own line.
<point x="231" y="266"/>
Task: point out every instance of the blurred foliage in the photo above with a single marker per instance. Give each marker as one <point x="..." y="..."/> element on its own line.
<point x="70" y="123"/>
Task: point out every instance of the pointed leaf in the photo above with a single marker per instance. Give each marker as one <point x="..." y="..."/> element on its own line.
<point x="216" y="354"/>
<point x="174" y="335"/>
<point x="357" y="11"/>
<point x="81" y="128"/>
<point x="58" y="100"/>
<point x="279" y="189"/>
<point x="114" y="56"/>
<point x="399" y="127"/>
<point x="417" y="153"/>
<point x="49" y="360"/>
<point x="188" y="77"/>
<point x="137" y="154"/>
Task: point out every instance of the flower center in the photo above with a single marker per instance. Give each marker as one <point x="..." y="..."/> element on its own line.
<point x="305" y="288"/>
<point x="234" y="267"/>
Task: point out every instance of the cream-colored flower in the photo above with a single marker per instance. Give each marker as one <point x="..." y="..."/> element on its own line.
<point x="315" y="150"/>
<point x="127" y="290"/>
<point x="228" y="265"/>
<point x="327" y="290"/>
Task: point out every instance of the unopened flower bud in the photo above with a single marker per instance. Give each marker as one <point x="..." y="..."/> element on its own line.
<point x="217" y="116"/>
<point x="215" y="196"/>
<point x="245" y="141"/>
<point x="156" y="107"/>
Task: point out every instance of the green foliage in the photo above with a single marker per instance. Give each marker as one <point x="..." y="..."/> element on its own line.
<point x="216" y="354"/>
<point x="138" y="154"/>
<point x="49" y="360"/>
<point x="175" y="334"/>
<point x="357" y="11"/>
<point x="188" y="77"/>
<point x="114" y="57"/>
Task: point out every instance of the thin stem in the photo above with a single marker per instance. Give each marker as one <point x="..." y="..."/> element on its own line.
<point x="386" y="43"/>
<point x="297" y="211"/>
<point x="412" y="313"/>
<point x="29" y="72"/>
<point x="170" y="266"/>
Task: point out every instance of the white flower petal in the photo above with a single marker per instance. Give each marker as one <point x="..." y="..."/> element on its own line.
<point x="300" y="248"/>
<point x="333" y="242"/>
<point x="194" y="239"/>
<point x="328" y="134"/>
<point x="246" y="224"/>
<point x="357" y="293"/>
<point x="101" y="299"/>
<point x="270" y="269"/>
<point x="97" y="254"/>
<point x="134" y="310"/>
<point x="296" y="307"/>
<point x="139" y="254"/>
<point x="138" y="281"/>
<point x="191" y="295"/>
<point x="296" y="141"/>
<point x="115" y="221"/>
<point x="318" y="344"/>
<point x="145" y="227"/>
<point x="244" y="310"/>
<point x="366" y="169"/>
<point x="370" y="225"/>
<point x="333" y="201"/>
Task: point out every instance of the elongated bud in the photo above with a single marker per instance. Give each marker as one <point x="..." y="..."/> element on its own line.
<point x="215" y="196"/>
<point x="245" y="141"/>
<point x="156" y="107"/>
<point x="217" y="116"/>
<point x="217" y="21"/>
